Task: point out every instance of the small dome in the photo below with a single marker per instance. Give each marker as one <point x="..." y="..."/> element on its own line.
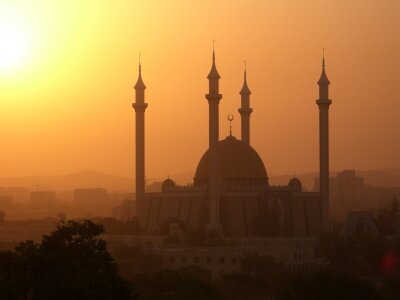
<point x="295" y="185"/>
<point x="167" y="183"/>
<point x="238" y="162"/>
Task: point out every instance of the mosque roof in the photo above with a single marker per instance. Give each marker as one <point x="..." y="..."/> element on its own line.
<point x="295" y="184"/>
<point x="323" y="79"/>
<point x="213" y="72"/>
<point x="237" y="160"/>
<point x="245" y="89"/>
<point x="139" y="83"/>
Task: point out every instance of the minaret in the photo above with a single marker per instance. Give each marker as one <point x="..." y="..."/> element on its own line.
<point x="140" y="107"/>
<point x="213" y="98"/>
<point x="323" y="103"/>
<point x="245" y="110"/>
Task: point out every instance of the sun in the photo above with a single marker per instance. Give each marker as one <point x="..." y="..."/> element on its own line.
<point x="13" y="46"/>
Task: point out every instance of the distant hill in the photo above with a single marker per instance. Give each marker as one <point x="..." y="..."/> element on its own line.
<point x="88" y="178"/>
<point x="85" y="179"/>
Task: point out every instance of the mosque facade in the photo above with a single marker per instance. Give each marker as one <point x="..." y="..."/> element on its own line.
<point x="231" y="193"/>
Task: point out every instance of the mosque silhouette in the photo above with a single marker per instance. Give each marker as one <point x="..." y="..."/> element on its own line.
<point x="230" y="193"/>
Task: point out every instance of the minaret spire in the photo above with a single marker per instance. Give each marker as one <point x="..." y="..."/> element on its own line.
<point x="323" y="80"/>
<point x="213" y="75"/>
<point x="245" y="110"/>
<point x="213" y="51"/>
<point x="323" y="103"/>
<point x="213" y="97"/>
<point x="140" y="106"/>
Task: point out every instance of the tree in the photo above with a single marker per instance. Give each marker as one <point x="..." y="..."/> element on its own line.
<point x="265" y="269"/>
<point x="70" y="263"/>
<point x="388" y="218"/>
<point x="134" y="260"/>
<point x="329" y="284"/>
<point x="181" y="284"/>
<point x="356" y="254"/>
<point x="390" y="289"/>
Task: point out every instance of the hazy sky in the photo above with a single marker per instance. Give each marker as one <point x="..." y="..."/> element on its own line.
<point x="66" y="104"/>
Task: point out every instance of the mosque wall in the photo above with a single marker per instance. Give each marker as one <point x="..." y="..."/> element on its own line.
<point x="299" y="215"/>
<point x="313" y="201"/>
<point x="275" y="213"/>
<point x="156" y="208"/>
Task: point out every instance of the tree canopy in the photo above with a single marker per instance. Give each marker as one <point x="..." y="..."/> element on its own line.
<point x="70" y="263"/>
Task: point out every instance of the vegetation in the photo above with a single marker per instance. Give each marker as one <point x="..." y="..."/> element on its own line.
<point x="73" y="263"/>
<point x="182" y="284"/>
<point x="70" y="263"/>
<point x="329" y="284"/>
<point x="135" y="260"/>
<point x="357" y="254"/>
<point x="388" y="219"/>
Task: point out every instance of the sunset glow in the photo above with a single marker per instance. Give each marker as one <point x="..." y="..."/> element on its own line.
<point x="13" y="46"/>
<point x="80" y="58"/>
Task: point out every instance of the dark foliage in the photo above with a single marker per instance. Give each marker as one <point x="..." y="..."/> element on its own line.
<point x="390" y="287"/>
<point x="135" y="260"/>
<point x="242" y="286"/>
<point x="70" y="263"/>
<point x="357" y="254"/>
<point x="263" y="268"/>
<point x="388" y="219"/>
<point x="329" y="285"/>
<point x="180" y="284"/>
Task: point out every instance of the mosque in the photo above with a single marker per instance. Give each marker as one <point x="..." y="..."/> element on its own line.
<point x="231" y="193"/>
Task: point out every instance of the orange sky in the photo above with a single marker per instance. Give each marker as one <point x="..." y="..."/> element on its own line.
<point x="67" y="106"/>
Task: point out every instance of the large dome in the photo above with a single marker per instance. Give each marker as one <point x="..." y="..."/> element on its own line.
<point x="238" y="162"/>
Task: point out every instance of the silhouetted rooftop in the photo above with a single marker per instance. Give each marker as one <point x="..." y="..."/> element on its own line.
<point x="213" y="72"/>
<point x="245" y="89"/>
<point x="139" y="83"/>
<point x="237" y="160"/>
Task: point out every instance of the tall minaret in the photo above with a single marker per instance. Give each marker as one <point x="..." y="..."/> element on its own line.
<point x="213" y="98"/>
<point x="323" y="103"/>
<point x="140" y="107"/>
<point x="245" y="110"/>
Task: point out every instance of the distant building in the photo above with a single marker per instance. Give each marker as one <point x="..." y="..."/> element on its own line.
<point x="19" y="194"/>
<point x="42" y="199"/>
<point x="117" y="198"/>
<point x="5" y="202"/>
<point x="348" y="192"/>
<point x="297" y="255"/>
<point x="359" y="222"/>
<point x="125" y="211"/>
<point x="92" y="202"/>
<point x="346" y="186"/>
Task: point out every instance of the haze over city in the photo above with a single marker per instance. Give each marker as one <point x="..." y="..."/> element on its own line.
<point x="66" y="106"/>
